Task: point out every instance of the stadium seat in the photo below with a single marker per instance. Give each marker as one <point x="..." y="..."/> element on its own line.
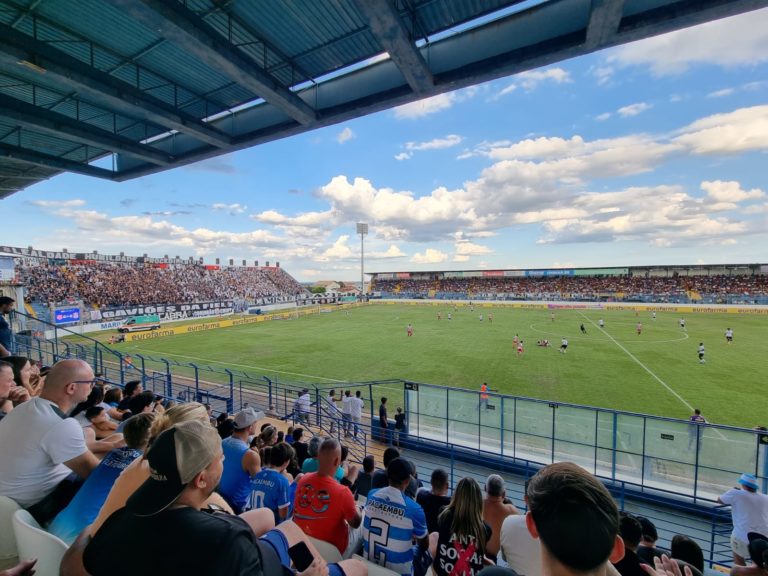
<point x="9" y="555"/>
<point x="328" y="551"/>
<point x="34" y="542"/>
<point x="375" y="569"/>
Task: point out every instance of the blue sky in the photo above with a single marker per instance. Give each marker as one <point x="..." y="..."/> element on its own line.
<point x="649" y="153"/>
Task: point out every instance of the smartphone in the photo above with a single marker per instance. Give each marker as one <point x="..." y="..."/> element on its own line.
<point x="301" y="556"/>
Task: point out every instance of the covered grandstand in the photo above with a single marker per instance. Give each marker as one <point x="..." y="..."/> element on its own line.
<point x="680" y="284"/>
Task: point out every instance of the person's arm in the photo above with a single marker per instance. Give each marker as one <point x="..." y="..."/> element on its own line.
<point x="72" y="562"/>
<point x="251" y="462"/>
<point x="25" y="568"/>
<point x="101" y="446"/>
<point x="351" y="511"/>
<point x="83" y="465"/>
<point x="4" y="351"/>
<point x="420" y="532"/>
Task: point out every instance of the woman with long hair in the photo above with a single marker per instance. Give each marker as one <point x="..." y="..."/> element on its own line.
<point x="22" y="373"/>
<point x="462" y="533"/>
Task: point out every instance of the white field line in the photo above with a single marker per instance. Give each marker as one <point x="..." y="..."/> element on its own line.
<point x="643" y="366"/>
<point x="245" y="366"/>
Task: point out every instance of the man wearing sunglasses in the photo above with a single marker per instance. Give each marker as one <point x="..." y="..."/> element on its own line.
<point x="43" y="452"/>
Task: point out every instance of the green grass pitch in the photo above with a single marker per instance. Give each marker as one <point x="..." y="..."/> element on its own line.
<point x="656" y="372"/>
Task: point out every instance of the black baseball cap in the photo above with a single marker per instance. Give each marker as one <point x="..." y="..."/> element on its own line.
<point x="176" y="457"/>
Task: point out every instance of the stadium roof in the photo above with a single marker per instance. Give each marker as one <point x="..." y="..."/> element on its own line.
<point x="118" y="89"/>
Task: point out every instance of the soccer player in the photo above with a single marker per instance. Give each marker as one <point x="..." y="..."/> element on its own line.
<point x="639" y="328"/>
<point x="520" y="348"/>
<point x="601" y="323"/>
<point x="682" y="323"/>
<point x="449" y="316"/>
<point x="490" y="318"/>
<point x="653" y="316"/>
<point x="552" y="316"/>
<point x="564" y="345"/>
<point x="581" y="327"/>
<point x="701" y="353"/>
<point x="516" y="339"/>
<point x="729" y="335"/>
<point x="409" y="330"/>
<point x="481" y="317"/>
<point x="438" y="316"/>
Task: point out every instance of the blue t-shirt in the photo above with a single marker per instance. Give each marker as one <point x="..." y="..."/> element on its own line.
<point x="235" y="485"/>
<point x="269" y="489"/>
<point x="391" y="521"/>
<point x="312" y="465"/>
<point x="85" y="506"/>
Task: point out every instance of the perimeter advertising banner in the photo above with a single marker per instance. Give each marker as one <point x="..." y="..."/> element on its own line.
<point x="168" y="311"/>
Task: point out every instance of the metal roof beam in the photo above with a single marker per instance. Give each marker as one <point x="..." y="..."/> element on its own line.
<point x="67" y="128"/>
<point x="17" y="154"/>
<point x="389" y="29"/>
<point x="107" y="91"/>
<point x="604" y="19"/>
<point x="184" y="28"/>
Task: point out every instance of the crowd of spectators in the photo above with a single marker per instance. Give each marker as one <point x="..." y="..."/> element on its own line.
<point x="660" y="289"/>
<point x="120" y="284"/>
<point x="193" y="494"/>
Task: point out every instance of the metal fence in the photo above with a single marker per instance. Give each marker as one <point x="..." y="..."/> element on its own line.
<point x="657" y="467"/>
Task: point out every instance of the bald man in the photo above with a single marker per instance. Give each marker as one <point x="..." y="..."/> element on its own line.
<point x="325" y="509"/>
<point x="43" y="452"/>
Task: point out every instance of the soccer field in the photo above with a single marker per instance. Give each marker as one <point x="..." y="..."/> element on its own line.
<point x="656" y="372"/>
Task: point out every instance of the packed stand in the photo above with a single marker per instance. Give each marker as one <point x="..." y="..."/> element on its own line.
<point x="110" y="284"/>
<point x="629" y="288"/>
<point x="108" y="470"/>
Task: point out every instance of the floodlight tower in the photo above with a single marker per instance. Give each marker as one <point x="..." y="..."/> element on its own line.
<point x="362" y="229"/>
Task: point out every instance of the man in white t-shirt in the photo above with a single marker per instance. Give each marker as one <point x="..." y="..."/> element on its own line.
<point x="346" y="411"/>
<point x="43" y="453"/>
<point x="749" y="511"/>
<point x="520" y="550"/>
<point x="303" y="405"/>
<point x="356" y="411"/>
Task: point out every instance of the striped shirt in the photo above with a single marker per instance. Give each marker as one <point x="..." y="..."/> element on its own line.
<point x="392" y="521"/>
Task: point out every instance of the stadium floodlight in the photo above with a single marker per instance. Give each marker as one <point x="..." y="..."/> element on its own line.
<point x="362" y="229"/>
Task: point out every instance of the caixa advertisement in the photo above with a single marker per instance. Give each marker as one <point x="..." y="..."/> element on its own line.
<point x="167" y="311"/>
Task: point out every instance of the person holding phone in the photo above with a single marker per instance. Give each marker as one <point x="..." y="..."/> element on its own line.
<point x="187" y="463"/>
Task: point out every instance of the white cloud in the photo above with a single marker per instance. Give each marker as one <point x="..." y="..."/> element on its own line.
<point x="467" y="248"/>
<point x="730" y="192"/>
<point x="430" y="256"/>
<point x="542" y="181"/>
<point x="461" y="258"/>
<point x="721" y="93"/>
<point x="435" y="144"/>
<point x="737" y="41"/>
<point x="344" y="135"/>
<point x="603" y="117"/>
<point x="233" y="209"/>
<point x="738" y="131"/>
<point x="58" y="203"/>
<point x="530" y="80"/>
<point x="633" y="109"/>
<point x="327" y="218"/>
<point x="425" y="107"/>
<point x="392" y="252"/>
<point x="403" y="156"/>
<point x="603" y="74"/>
<point x="143" y="232"/>
<point x="339" y="251"/>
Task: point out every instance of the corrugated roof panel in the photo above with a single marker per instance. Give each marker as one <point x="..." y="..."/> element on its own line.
<point x="100" y="22"/>
<point x="176" y="64"/>
<point x="45" y="144"/>
<point x="303" y="26"/>
<point x="84" y="154"/>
